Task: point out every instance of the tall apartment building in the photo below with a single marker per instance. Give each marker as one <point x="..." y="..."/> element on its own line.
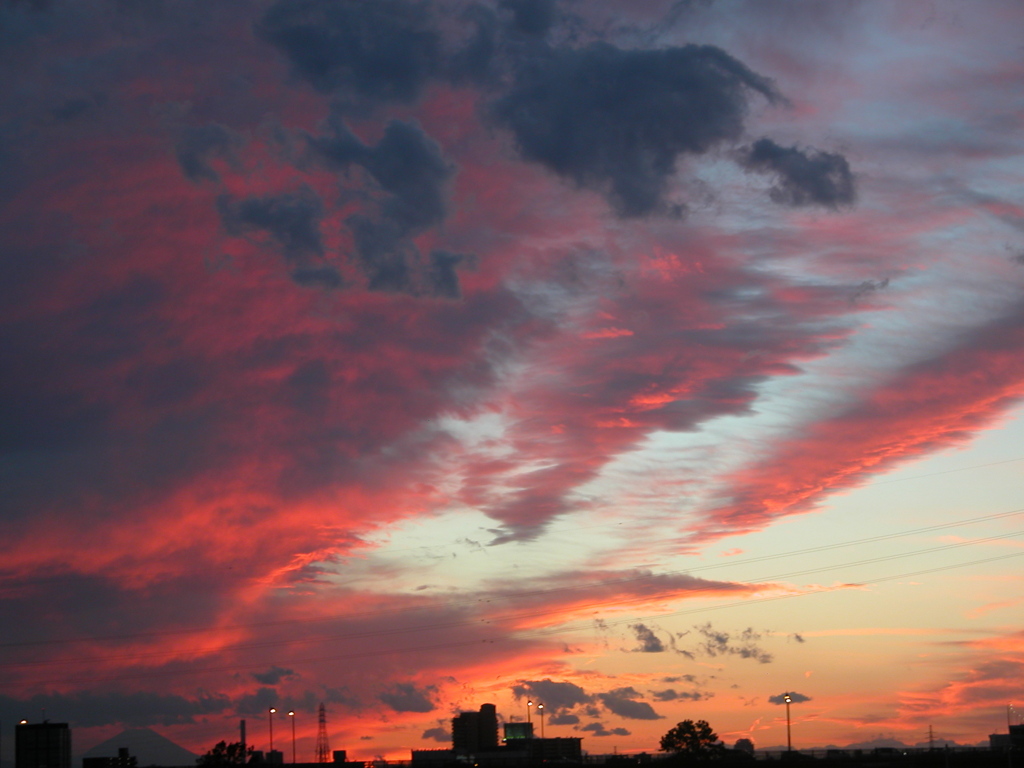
<point x="476" y="731"/>
<point x="42" y="745"/>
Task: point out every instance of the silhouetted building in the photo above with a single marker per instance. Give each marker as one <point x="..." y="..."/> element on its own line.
<point x="561" y="750"/>
<point x="123" y="760"/>
<point x="515" y="731"/>
<point x="42" y="745"/>
<point x="475" y="731"/>
<point x="432" y="758"/>
<point x="1012" y="740"/>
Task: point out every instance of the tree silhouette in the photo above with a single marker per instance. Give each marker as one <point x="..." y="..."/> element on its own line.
<point x="694" y="740"/>
<point x="225" y="753"/>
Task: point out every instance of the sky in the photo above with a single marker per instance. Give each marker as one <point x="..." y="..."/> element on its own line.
<point x="646" y="360"/>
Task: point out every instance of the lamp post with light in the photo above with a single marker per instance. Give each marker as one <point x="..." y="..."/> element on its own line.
<point x="540" y="711"/>
<point x="271" y="713"/>
<point x="529" y="709"/>
<point x="291" y="714"/>
<point x="789" y="735"/>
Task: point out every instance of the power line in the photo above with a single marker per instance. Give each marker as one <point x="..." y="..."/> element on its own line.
<point x="533" y="593"/>
<point x="508" y="617"/>
<point x="527" y="633"/>
<point x="944" y="472"/>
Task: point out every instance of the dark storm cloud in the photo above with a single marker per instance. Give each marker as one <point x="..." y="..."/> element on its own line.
<point x="598" y="729"/>
<point x="137" y="710"/>
<point x="76" y="107"/>
<point x="649" y="642"/>
<point x="21" y="21"/>
<point x="563" y="718"/>
<point x="413" y="175"/>
<point x="473" y="61"/>
<point x="292" y="219"/>
<point x="617" y="120"/>
<point x="406" y="697"/>
<point x="323" y="276"/>
<point x="623" y="702"/>
<point x="258" y="702"/>
<point x="384" y="255"/>
<point x="74" y="608"/>
<point x="386" y="50"/>
<point x="409" y="165"/>
<point x="198" y="144"/>
<point x="437" y="734"/>
<point x="406" y="164"/>
<point x="673" y="695"/>
<point x="60" y="437"/>
<point x="273" y="676"/>
<point x="803" y="177"/>
<point x="555" y="695"/>
<point x="796" y="698"/>
<point x="442" y="279"/>
<point x="531" y="17"/>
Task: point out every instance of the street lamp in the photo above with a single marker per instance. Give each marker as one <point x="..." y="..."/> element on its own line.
<point x="529" y="709"/>
<point x="272" y="711"/>
<point x="540" y="710"/>
<point x="291" y="714"/>
<point x="789" y="735"/>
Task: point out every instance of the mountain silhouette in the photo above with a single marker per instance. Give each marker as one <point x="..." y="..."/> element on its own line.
<point x="147" y="745"/>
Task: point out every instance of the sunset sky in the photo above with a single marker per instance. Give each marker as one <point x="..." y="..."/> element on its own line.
<point x="646" y="359"/>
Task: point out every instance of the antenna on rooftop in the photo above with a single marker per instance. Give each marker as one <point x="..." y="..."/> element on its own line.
<point x="323" y="749"/>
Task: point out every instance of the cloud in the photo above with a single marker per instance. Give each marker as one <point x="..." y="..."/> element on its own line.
<point x="599" y="729"/>
<point x="673" y="695"/>
<point x="623" y="702"/>
<point x="411" y="177"/>
<point x="442" y="278"/>
<point x="617" y="120"/>
<point x="320" y="276"/>
<point x="803" y="177"/>
<point x="531" y="17"/>
<point x="200" y="143"/>
<point x="86" y="709"/>
<point x="437" y="734"/>
<point x="719" y="643"/>
<point x="563" y="719"/>
<point x="406" y="697"/>
<point x="649" y="642"/>
<point x="406" y="164"/>
<point x="796" y="698"/>
<point x="292" y="219"/>
<point x="868" y="287"/>
<point x="273" y="676"/>
<point x="380" y="51"/>
<point x="556" y="696"/>
<point x="201" y="456"/>
<point x="931" y="403"/>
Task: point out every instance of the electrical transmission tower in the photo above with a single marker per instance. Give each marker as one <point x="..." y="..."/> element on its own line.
<point x="323" y="749"/>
